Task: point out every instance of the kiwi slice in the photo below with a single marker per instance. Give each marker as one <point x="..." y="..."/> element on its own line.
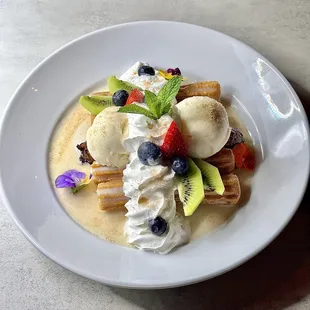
<point x="95" y="104"/>
<point x="190" y="187"/>
<point x="115" y="84"/>
<point x="211" y="177"/>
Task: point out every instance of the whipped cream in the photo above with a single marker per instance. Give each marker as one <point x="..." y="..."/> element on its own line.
<point x="152" y="83"/>
<point x="151" y="190"/>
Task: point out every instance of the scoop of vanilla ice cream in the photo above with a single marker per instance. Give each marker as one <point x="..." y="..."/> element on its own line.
<point x="105" y="138"/>
<point x="204" y="125"/>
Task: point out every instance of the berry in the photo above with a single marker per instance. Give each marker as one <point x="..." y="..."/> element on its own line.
<point x="174" y="144"/>
<point x="135" y="96"/>
<point x="146" y="70"/>
<point x="149" y="154"/>
<point x="179" y="165"/>
<point x="158" y="226"/>
<point x="175" y="71"/>
<point x="120" y="97"/>
<point x="235" y="137"/>
<point x="243" y="156"/>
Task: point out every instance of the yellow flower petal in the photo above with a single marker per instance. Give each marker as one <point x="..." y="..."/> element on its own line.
<point x="86" y="181"/>
<point x="168" y="76"/>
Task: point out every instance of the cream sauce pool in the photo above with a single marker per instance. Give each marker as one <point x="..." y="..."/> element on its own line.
<point x="83" y="206"/>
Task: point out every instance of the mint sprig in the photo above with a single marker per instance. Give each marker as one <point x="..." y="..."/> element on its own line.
<point x="152" y="103"/>
<point x="158" y="105"/>
<point x="135" y="109"/>
<point x="168" y="93"/>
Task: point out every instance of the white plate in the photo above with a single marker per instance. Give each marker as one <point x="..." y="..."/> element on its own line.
<point x="266" y="103"/>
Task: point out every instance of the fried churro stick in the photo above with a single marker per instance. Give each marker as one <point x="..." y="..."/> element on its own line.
<point x="111" y="195"/>
<point x="210" y="89"/>
<point x="231" y="195"/>
<point x="224" y="160"/>
<point x="105" y="174"/>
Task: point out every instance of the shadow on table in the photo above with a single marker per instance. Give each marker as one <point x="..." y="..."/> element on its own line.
<point x="277" y="277"/>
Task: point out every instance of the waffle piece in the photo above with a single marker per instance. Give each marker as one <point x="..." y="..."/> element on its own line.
<point x="231" y="195"/>
<point x="111" y="195"/>
<point x="224" y="160"/>
<point x="210" y="89"/>
<point x="105" y="174"/>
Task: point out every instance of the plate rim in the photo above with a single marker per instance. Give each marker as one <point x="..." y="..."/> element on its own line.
<point x="121" y="283"/>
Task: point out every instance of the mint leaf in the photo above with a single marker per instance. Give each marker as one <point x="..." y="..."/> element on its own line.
<point x="152" y="103"/>
<point x="168" y="93"/>
<point x="135" y="109"/>
<point x="166" y="109"/>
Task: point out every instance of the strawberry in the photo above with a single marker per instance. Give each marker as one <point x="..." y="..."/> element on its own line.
<point x="243" y="156"/>
<point x="135" y="96"/>
<point x="174" y="144"/>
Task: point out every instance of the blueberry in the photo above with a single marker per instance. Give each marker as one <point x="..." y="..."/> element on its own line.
<point x="146" y="70"/>
<point x="179" y="165"/>
<point x="175" y="71"/>
<point x="158" y="226"/>
<point x="149" y="154"/>
<point x="120" y="97"/>
<point x="235" y="137"/>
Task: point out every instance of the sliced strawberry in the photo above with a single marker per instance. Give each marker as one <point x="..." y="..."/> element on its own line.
<point x="249" y="162"/>
<point x="174" y="144"/>
<point x="243" y="156"/>
<point x="239" y="149"/>
<point x="135" y="96"/>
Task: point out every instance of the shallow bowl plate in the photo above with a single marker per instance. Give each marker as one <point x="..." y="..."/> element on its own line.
<point x="263" y="98"/>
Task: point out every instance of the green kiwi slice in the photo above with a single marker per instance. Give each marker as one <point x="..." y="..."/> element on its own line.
<point x="115" y="84"/>
<point x="212" y="179"/>
<point x="95" y="104"/>
<point x="190" y="187"/>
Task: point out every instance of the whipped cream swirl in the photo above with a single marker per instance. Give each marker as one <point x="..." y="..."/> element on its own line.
<point x="151" y="190"/>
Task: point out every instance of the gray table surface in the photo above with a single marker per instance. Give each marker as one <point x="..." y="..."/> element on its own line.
<point x="277" y="278"/>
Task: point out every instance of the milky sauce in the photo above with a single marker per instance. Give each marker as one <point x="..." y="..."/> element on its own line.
<point x="83" y="206"/>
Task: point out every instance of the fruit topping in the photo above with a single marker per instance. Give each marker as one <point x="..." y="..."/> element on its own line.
<point x="146" y="70"/>
<point x="120" y="97"/>
<point x="175" y="71"/>
<point x="244" y="157"/>
<point x="149" y="154"/>
<point x="95" y="104"/>
<point x="235" y="137"/>
<point x="211" y="177"/>
<point x="135" y="96"/>
<point x="158" y="105"/>
<point x="158" y="226"/>
<point x="174" y="144"/>
<point x="115" y="84"/>
<point x="190" y="188"/>
<point x="179" y="165"/>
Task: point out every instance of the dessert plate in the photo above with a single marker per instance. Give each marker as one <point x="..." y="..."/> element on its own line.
<point x="265" y="102"/>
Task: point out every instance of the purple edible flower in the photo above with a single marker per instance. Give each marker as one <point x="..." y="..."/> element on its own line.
<point x="71" y="178"/>
<point x="175" y="71"/>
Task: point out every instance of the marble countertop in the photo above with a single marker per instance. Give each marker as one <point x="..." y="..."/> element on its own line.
<point x="278" y="277"/>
